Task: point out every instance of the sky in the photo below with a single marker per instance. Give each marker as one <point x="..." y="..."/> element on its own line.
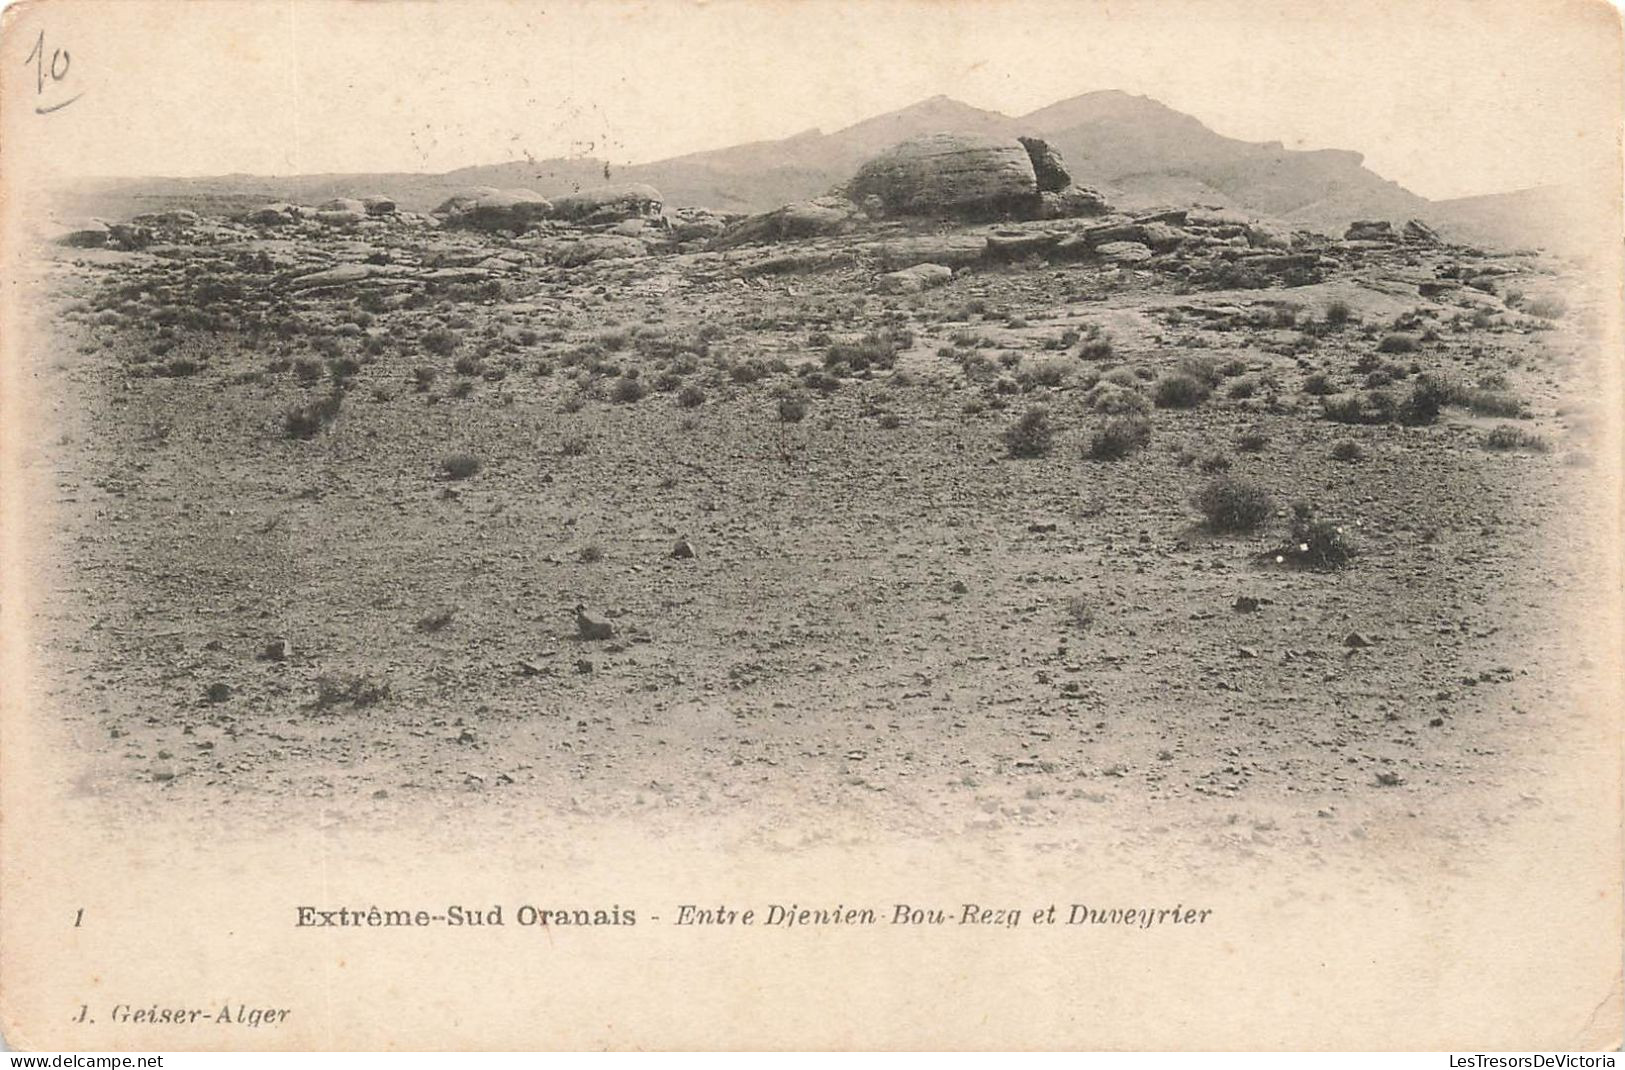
<point x="1448" y="98"/>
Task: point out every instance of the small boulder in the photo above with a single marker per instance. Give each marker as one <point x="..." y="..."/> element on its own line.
<point x="914" y="279"/>
<point x="1123" y="252"/>
<point x="92" y="235"/>
<point x="1073" y="202"/>
<point x="597" y="247"/>
<point x="378" y="204"/>
<point x="279" y="214"/>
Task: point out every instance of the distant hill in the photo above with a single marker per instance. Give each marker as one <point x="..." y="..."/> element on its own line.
<point x="1137" y="151"/>
<point x="1562" y="218"/>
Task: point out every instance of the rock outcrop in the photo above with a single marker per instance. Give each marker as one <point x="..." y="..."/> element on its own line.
<point x="1418" y="231"/>
<point x="484" y="208"/>
<point x="1370" y="230"/>
<point x="1048" y="168"/>
<point x="609" y="204"/>
<point x="805" y="219"/>
<point x="951" y="176"/>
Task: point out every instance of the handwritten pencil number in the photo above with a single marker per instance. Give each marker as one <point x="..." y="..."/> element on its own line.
<point x="47" y="72"/>
<point x="79" y="918"/>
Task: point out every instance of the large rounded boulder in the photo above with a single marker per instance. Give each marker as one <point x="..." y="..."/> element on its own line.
<point x="951" y="175"/>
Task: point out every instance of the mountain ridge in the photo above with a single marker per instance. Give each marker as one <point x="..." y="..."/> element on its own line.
<point x="1136" y="150"/>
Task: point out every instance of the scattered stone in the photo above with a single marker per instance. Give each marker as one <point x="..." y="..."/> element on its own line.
<point x="276" y="649"/>
<point x="683" y="551"/>
<point x="218" y="692"/>
<point x="1356" y="641"/>
<point x="1245" y="604"/>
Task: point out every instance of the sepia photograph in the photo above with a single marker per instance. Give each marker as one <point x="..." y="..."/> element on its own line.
<point x="824" y="525"/>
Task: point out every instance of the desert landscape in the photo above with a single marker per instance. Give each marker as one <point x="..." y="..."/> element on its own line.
<point x="946" y="478"/>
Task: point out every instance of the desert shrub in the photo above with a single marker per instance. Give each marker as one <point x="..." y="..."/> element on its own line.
<point x="468" y="365"/>
<point x="1206" y="369"/>
<point x="1316" y="544"/>
<point x="1229" y="275"/>
<point x="1338" y="313"/>
<point x="1374" y="407"/>
<point x="626" y="391"/>
<point x="442" y="341"/>
<point x="1233" y="367"/>
<point x="1180" y="391"/>
<point x="1214" y="462"/>
<point x="1481" y="402"/>
<point x="1230" y="504"/>
<point x="1111" y="399"/>
<point x="877" y="349"/>
<point x="178" y="368"/>
<point x="1031" y="435"/>
<point x="307" y="370"/>
<point x="1096" y="349"/>
<point x="890" y="421"/>
<point x="1243" y="388"/>
<point x="358" y="689"/>
<point x="793" y="408"/>
<point x="462" y="389"/>
<point x="1080" y="611"/>
<point x="436" y="622"/>
<point x="1398" y="343"/>
<point x="1318" y="384"/>
<point x="307" y="420"/>
<point x="691" y="396"/>
<point x="1050" y="373"/>
<point x="1507" y="437"/>
<point x="1547" y="308"/>
<point x="459" y="465"/>
<point x="1252" y="441"/>
<point x="1421" y="406"/>
<point x="747" y="371"/>
<point x="1118" y="437"/>
<point x="590" y="554"/>
<point x="573" y="446"/>
<point x="1346" y="449"/>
